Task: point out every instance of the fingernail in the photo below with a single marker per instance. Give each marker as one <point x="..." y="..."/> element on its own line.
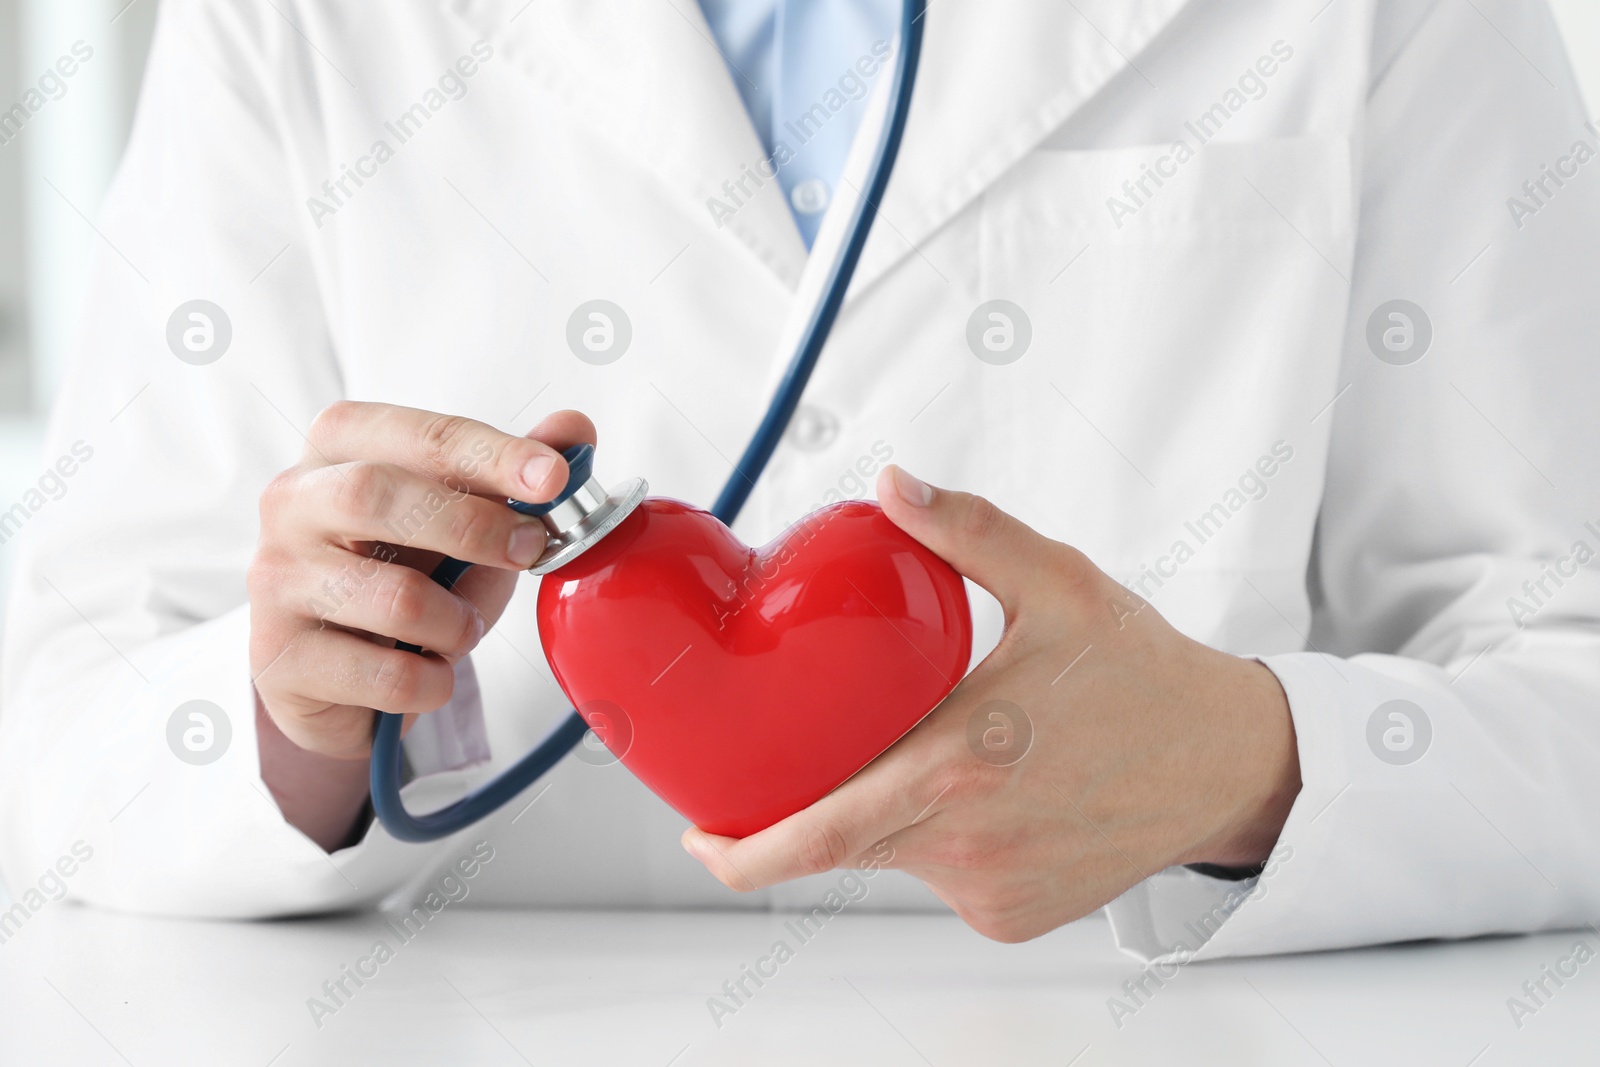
<point x="537" y="472"/>
<point x="913" y="491"/>
<point x="527" y="543"/>
<point x="694" y="846"/>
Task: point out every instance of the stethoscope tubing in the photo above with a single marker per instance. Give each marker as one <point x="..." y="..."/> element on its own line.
<point x="386" y="750"/>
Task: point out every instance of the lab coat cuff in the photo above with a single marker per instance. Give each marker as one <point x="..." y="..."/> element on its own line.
<point x="1181" y="914"/>
<point x="178" y="830"/>
<point x="1171" y="916"/>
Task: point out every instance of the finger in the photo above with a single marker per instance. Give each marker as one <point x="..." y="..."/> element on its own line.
<point x="333" y="667"/>
<point x="443" y="448"/>
<point x="563" y="429"/>
<point x="829" y="834"/>
<point x="1000" y="553"/>
<point x="366" y="501"/>
<point x="361" y="593"/>
<point x="487" y="591"/>
<point x="339" y="732"/>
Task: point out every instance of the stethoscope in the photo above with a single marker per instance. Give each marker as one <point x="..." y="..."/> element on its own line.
<point x="585" y="511"/>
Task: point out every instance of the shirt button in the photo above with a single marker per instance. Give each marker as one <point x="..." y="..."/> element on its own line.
<point x="810" y="197"/>
<point x="813" y="428"/>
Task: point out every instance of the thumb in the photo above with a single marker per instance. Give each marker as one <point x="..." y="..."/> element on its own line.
<point x="983" y="543"/>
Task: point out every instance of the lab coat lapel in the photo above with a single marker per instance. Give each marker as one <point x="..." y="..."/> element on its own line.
<point x="649" y="77"/>
<point x="997" y="76"/>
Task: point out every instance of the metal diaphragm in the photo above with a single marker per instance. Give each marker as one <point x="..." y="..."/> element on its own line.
<point x="577" y="523"/>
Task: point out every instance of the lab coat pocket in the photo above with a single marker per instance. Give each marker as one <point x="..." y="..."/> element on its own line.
<point x="1183" y="312"/>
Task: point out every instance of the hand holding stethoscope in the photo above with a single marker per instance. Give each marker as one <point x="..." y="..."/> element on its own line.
<point x="330" y="522"/>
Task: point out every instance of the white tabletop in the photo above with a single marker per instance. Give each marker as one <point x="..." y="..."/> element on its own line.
<point x="514" y="987"/>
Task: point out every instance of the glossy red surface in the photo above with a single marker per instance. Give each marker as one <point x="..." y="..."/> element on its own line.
<point x="741" y="685"/>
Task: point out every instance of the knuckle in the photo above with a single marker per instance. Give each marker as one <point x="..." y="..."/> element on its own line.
<point x="982" y="520"/>
<point x="479" y="531"/>
<point x="264" y="577"/>
<point x="401" y="598"/>
<point x="272" y="666"/>
<point x="822" y="848"/>
<point x="443" y="438"/>
<point x="362" y="489"/>
<point x="470" y="634"/>
<point x="265" y="643"/>
<point x="279" y="493"/>
<point x="397" y="681"/>
<point x="1072" y="569"/>
<point x="333" y="418"/>
<point x="340" y="732"/>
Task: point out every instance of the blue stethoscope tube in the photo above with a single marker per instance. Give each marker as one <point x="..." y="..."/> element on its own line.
<point x="386" y="755"/>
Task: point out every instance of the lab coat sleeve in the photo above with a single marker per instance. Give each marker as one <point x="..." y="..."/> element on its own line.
<point x="1448" y="711"/>
<point x="130" y="600"/>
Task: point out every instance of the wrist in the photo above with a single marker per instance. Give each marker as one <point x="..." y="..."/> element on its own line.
<point x="1257" y="765"/>
<point x="321" y="796"/>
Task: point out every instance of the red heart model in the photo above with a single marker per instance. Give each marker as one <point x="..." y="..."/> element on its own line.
<point x="742" y="685"/>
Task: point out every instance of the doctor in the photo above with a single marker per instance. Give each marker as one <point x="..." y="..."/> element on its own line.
<point x="1265" y="332"/>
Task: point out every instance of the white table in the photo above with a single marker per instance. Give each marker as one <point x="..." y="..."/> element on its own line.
<point x="480" y="986"/>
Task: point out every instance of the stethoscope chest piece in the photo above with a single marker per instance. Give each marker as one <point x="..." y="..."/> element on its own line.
<point x="583" y="513"/>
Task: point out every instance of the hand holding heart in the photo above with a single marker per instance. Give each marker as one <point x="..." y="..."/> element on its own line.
<point x="1131" y="748"/>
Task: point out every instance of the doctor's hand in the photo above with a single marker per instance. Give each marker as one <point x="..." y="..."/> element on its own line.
<point x="348" y="538"/>
<point x="1148" y="749"/>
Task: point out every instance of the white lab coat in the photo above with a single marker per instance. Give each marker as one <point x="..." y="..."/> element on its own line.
<point x="1206" y="328"/>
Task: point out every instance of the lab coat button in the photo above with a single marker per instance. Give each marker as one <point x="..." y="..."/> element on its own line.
<point x="810" y="197"/>
<point x="813" y="428"/>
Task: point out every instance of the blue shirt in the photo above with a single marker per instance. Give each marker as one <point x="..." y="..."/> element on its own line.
<point x="804" y="68"/>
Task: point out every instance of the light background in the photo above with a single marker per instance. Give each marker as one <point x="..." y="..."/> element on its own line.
<point x="64" y="160"/>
